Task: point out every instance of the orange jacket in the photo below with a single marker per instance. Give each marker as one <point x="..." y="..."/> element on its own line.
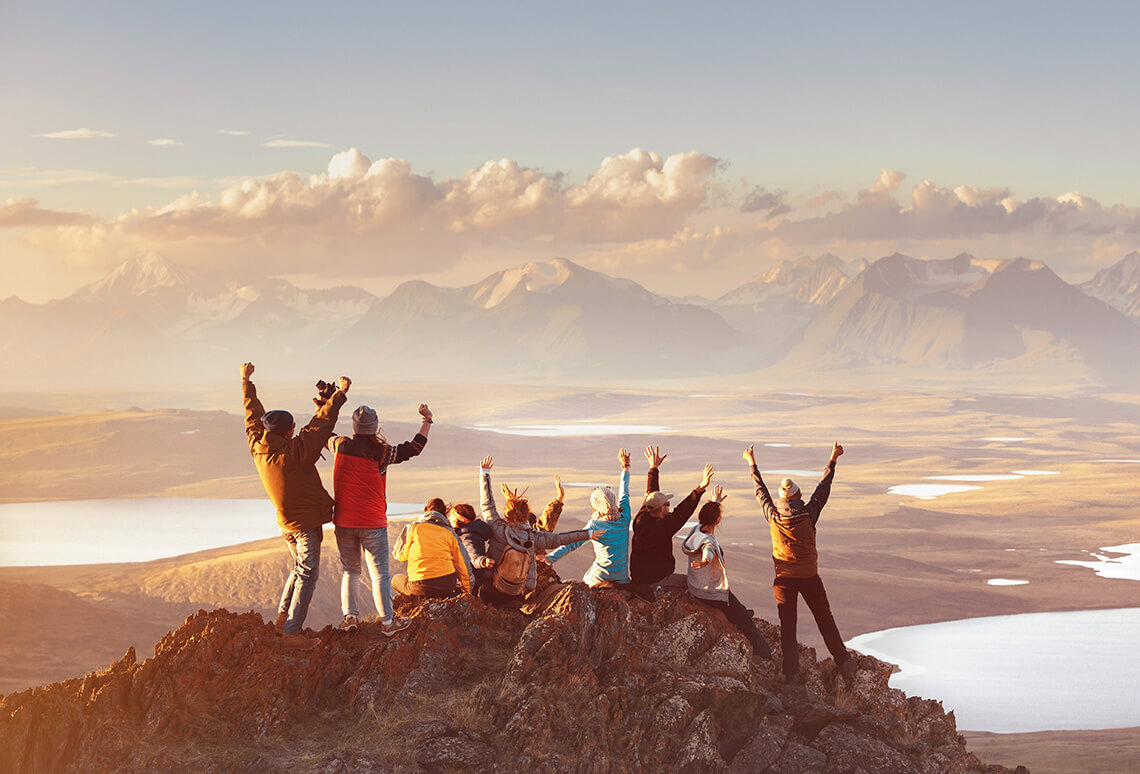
<point x="431" y="550"/>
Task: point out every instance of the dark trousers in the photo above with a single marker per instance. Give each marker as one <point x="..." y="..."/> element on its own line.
<point x="786" y="590"/>
<point x="740" y="617"/>
<point x="443" y="586"/>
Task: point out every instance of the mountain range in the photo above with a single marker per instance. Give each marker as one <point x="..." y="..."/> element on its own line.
<point x="153" y="321"/>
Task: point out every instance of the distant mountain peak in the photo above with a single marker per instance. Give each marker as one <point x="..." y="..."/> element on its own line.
<point x="533" y="277"/>
<point x="137" y="277"/>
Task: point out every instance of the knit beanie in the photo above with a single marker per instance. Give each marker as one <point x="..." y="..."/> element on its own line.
<point x="789" y="490"/>
<point x="277" y="421"/>
<point x="365" y="421"/>
<point x="604" y="502"/>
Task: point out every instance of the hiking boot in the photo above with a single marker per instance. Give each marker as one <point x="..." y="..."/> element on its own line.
<point x="848" y="668"/>
<point x="349" y="623"/>
<point x="299" y="642"/>
<point x="279" y="624"/>
<point x="389" y="628"/>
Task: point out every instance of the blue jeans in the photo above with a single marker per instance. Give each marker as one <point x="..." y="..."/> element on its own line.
<point x="350" y="541"/>
<point x="305" y="547"/>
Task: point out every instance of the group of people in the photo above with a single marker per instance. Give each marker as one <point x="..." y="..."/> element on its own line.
<point x="451" y="550"/>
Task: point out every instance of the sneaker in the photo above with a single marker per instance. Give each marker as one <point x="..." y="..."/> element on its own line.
<point x="395" y="625"/>
<point x="299" y="642"/>
<point x="279" y="624"/>
<point x="848" y="668"/>
<point x="349" y="623"/>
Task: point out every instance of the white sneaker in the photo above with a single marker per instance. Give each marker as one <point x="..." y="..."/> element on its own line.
<point x="395" y="625"/>
<point x="349" y="623"/>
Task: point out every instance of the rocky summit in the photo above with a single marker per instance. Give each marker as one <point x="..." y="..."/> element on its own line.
<point x="599" y="681"/>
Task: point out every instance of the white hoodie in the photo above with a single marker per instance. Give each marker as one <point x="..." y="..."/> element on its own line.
<point x="711" y="581"/>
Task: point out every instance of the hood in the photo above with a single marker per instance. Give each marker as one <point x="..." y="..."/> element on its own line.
<point x="435" y="517"/>
<point x="476" y="526"/>
<point x="692" y="542"/>
<point x="790" y="507"/>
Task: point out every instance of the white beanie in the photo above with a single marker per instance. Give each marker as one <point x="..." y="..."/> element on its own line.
<point x="789" y="490"/>
<point x="604" y="502"/>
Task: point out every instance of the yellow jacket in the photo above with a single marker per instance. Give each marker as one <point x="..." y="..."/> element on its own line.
<point x="431" y="550"/>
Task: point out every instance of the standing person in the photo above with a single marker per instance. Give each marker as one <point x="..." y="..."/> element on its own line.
<point x="474" y="534"/>
<point x="514" y="541"/>
<point x="651" y="558"/>
<point x="287" y="466"/>
<point x="437" y="566"/>
<point x="792" y="524"/>
<point x="360" y="487"/>
<point x="611" y="518"/>
<point x="708" y="580"/>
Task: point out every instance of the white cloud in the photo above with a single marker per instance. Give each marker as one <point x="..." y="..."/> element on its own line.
<point x="233" y="132"/>
<point x="164" y="142"/>
<point x="76" y="134"/>
<point x="34" y="176"/>
<point x="25" y="212"/>
<point x="295" y="144"/>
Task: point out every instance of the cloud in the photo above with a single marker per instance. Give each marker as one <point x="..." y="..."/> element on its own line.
<point x="25" y="212"/>
<point x="164" y="142"/>
<point x="759" y="199"/>
<point x="374" y="218"/>
<point x="75" y="134"/>
<point x="33" y="176"/>
<point x="295" y="144"/>
<point x="233" y="132"/>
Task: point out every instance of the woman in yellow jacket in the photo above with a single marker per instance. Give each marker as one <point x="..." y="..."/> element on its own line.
<point x="437" y="563"/>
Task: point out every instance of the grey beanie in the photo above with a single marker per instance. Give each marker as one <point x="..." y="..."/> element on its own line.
<point x="277" y="421"/>
<point x="365" y="421"/>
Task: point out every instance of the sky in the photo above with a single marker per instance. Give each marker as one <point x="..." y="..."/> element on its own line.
<point x="685" y="147"/>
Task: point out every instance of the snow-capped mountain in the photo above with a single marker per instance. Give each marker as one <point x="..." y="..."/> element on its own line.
<point x="1119" y="286"/>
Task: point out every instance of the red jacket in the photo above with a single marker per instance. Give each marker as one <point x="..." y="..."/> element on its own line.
<point x="360" y="472"/>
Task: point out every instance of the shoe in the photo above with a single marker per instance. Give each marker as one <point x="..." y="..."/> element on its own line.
<point x="848" y="668"/>
<point x="279" y="624"/>
<point x="299" y="642"/>
<point x="394" y="626"/>
<point x="349" y="623"/>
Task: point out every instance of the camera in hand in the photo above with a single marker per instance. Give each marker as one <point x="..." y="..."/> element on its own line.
<point x="325" y="391"/>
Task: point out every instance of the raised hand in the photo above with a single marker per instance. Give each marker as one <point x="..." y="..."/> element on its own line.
<point x="836" y="452"/>
<point x="718" y="494"/>
<point x="486" y="463"/>
<point x="246" y="370"/>
<point x="750" y="456"/>
<point x="654" y="455"/>
<point x="425" y="412"/>
<point x="558" y="488"/>
<point x="706" y="478"/>
<point x="343" y="383"/>
<point x="623" y="458"/>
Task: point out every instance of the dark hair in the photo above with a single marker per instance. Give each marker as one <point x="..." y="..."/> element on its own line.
<point x="435" y="504"/>
<point x="465" y="510"/>
<point x="373" y="446"/>
<point x="709" y="515"/>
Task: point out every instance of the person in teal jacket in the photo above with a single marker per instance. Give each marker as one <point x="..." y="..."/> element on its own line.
<point x="612" y="519"/>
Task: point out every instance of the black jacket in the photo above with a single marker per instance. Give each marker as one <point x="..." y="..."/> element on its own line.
<point x="651" y="553"/>
<point x="474" y="536"/>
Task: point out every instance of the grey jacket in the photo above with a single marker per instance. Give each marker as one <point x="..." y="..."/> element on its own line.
<point x="711" y="581"/>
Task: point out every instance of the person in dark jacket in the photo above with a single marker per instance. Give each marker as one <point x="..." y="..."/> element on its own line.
<point x="651" y="556"/>
<point x="474" y="535"/>
<point x="792" y="524"/>
<point x="287" y="465"/>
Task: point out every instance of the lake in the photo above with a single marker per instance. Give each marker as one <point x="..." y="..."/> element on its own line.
<point x="134" y="529"/>
<point x="1021" y="673"/>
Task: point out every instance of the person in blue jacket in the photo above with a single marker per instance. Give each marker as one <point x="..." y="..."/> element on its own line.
<point x="612" y="519"/>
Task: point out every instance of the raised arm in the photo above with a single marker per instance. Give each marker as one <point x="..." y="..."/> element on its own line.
<point x="549" y="519"/>
<point x="253" y="408"/>
<point x="653" y="478"/>
<point x="316" y="434"/>
<point x="402" y="452"/>
<point x="676" y="518"/>
<point x="762" y="495"/>
<point x="623" y="488"/>
<point x="823" y="489"/>
<point x="486" y="496"/>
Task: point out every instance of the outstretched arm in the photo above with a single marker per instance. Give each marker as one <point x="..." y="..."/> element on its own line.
<point x="316" y="434"/>
<point x="823" y="489"/>
<point x="549" y="519"/>
<point x="762" y="495"/>
<point x="253" y="408"/>
<point x="623" y="488"/>
<point x="684" y="510"/>
<point x="487" y="497"/>
<point x="653" y="478"/>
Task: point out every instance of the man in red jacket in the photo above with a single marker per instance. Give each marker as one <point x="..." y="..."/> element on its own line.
<point x="287" y="465"/>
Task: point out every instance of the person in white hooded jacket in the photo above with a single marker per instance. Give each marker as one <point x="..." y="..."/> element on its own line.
<point x="708" y="579"/>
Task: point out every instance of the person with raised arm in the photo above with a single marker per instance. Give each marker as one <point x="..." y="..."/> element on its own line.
<point x="514" y="541"/>
<point x="287" y="466"/>
<point x="792" y="523"/>
<point x="651" y="558"/>
<point x="708" y="579"/>
<point x="611" y="518"/>
<point x="360" y="481"/>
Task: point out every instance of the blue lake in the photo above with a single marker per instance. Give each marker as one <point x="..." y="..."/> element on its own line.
<point x="134" y="529"/>
<point x="1020" y="673"/>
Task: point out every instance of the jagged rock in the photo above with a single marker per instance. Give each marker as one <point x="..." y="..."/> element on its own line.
<point x="597" y="682"/>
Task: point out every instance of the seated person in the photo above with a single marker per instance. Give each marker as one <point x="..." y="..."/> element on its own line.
<point x="474" y="534"/>
<point x="651" y="557"/>
<point x="437" y="566"/>
<point x="610" y="519"/>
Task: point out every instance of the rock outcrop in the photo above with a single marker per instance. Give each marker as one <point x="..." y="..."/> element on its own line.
<point x="597" y="682"/>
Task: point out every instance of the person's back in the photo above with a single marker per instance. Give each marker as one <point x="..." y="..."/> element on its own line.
<point x="474" y="535"/>
<point x="651" y="548"/>
<point x="610" y="525"/>
<point x="437" y="565"/>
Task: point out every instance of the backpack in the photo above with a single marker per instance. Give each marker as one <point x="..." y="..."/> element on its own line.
<point x="512" y="569"/>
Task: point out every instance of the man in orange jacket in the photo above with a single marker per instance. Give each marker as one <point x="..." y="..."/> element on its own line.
<point x="437" y="564"/>
<point x="287" y="465"/>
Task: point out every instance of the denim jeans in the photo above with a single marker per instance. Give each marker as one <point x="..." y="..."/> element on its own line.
<point x="374" y="543"/>
<point x="305" y="547"/>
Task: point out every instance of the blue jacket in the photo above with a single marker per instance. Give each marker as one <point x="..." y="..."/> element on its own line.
<point x="611" y="550"/>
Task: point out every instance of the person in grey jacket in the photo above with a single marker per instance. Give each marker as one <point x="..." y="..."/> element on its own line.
<point x="708" y="579"/>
